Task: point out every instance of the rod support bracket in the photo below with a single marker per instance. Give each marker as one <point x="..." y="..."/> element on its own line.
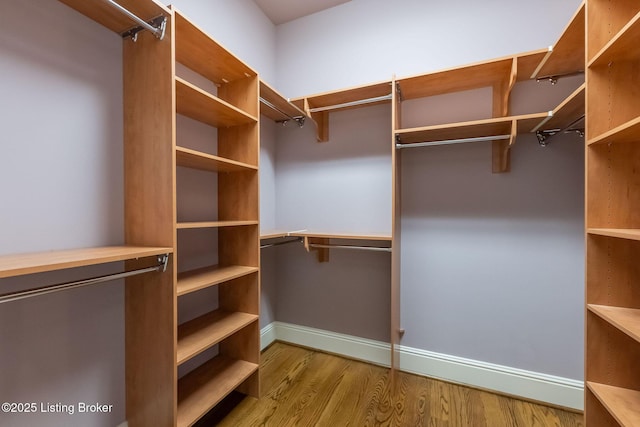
<point x="159" y="23"/>
<point x="163" y="260"/>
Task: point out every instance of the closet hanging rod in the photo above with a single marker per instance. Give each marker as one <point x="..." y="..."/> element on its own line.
<point x="353" y="247"/>
<point x="352" y="103"/>
<point x="297" y="119"/>
<point x="158" y="31"/>
<point x="286" y="242"/>
<point x="15" y="296"/>
<point x="453" y="141"/>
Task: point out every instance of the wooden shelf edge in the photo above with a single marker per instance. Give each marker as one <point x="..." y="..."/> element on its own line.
<point x="626" y="320"/>
<point x="195" y="280"/>
<point x="626" y="132"/>
<point x="240" y="117"/>
<point x="619" y="233"/>
<point x="214" y="224"/>
<point x="566" y="112"/>
<point x="562" y="59"/>
<point x="622" y="404"/>
<point x="39" y="262"/>
<point x="194" y="159"/>
<point x="627" y="35"/>
<point x="285" y="110"/>
<point x="201" y="333"/>
<point x="203" y="388"/>
<point x="344" y="236"/>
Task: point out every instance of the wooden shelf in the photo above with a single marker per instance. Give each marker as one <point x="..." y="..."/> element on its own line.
<point x="273" y="234"/>
<point x="567" y="112"/>
<point x="17" y="265"/>
<point x="334" y="100"/>
<point x="202" y="389"/>
<point x="473" y="129"/>
<point x="285" y="110"/>
<point x="344" y="236"/>
<point x="625" y="319"/>
<point x="196" y="50"/>
<point x="626" y="132"/>
<point x="567" y="55"/>
<point x="622" y="404"/>
<point x="193" y="102"/>
<point x="214" y="224"/>
<point x="208" y="162"/>
<point x="622" y="47"/>
<point x="101" y="12"/>
<point x="473" y="76"/>
<point x="195" y="280"/>
<point x="620" y="233"/>
<point x="206" y="331"/>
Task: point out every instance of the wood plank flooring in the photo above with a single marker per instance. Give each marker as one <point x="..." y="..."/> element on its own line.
<point x="301" y="387"/>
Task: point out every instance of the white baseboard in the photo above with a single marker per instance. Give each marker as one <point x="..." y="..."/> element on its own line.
<point x="124" y="424"/>
<point x="545" y="388"/>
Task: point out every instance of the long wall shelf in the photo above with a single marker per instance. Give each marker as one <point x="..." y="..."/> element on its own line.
<point x="274" y="106"/>
<point x="195" y="280"/>
<point x="205" y="331"/>
<point x="17" y="265"/>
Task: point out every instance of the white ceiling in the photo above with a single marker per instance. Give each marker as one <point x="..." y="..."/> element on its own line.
<point x="281" y="11"/>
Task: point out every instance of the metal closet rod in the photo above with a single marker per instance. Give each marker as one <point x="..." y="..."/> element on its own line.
<point x="353" y="247"/>
<point x="352" y="103"/>
<point x="286" y="242"/>
<point x="15" y="296"/>
<point x="297" y="119"/>
<point x="453" y="141"/>
<point x="157" y="31"/>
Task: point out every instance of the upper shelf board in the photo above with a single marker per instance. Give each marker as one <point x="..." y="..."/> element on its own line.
<point x="344" y="236"/>
<point x="496" y="127"/>
<point x="482" y="74"/>
<point x="196" y="50"/>
<point x="567" y="55"/>
<point x="340" y="100"/>
<point x="17" y="265"/>
<point x="276" y="107"/>
<point x="193" y="102"/>
<point x="101" y="12"/>
<point x="569" y="111"/>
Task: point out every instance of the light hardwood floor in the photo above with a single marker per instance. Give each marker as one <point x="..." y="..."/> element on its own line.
<point x="301" y="387"/>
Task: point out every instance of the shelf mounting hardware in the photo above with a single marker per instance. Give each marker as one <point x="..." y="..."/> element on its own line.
<point x="156" y="26"/>
<point x="554" y="79"/>
<point x="545" y="135"/>
<point x="298" y="119"/>
<point x="15" y="296"/>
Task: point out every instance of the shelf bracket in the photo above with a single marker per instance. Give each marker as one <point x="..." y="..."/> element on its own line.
<point x="545" y="135"/>
<point x="159" y="24"/>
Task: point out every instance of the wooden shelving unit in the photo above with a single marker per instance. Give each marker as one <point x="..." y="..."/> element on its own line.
<point x="612" y="219"/>
<point x="232" y="326"/>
